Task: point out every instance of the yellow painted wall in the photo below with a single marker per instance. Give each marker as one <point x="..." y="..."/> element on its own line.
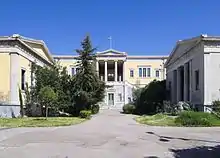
<point x="130" y="64"/>
<point x="26" y="65"/>
<point x="5" y="76"/>
<point x="68" y="63"/>
<point x="135" y="64"/>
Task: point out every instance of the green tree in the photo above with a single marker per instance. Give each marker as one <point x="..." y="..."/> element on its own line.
<point x="56" y="78"/>
<point x="136" y="93"/>
<point x="47" y="98"/>
<point x="87" y="88"/>
<point x="152" y="97"/>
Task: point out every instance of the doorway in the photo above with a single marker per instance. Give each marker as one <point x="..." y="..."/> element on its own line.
<point x="110" y="99"/>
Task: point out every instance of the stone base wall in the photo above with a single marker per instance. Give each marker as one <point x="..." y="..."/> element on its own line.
<point x="9" y="111"/>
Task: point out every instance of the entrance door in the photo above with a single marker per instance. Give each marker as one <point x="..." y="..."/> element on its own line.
<point x="110" y="99"/>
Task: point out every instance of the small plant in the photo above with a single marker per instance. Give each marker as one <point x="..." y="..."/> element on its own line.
<point x="85" y="114"/>
<point x="47" y="98"/>
<point x="95" y="109"/>
<point x="190" y="118"/>
<point x="216" y="106"/>
<point x="128" y="108"/>
<point x="21" y="103"/>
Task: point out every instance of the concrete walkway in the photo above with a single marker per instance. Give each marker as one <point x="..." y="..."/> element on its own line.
<point x="110" y="135"/>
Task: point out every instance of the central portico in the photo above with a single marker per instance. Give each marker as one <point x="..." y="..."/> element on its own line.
<point x="110" y="66"/>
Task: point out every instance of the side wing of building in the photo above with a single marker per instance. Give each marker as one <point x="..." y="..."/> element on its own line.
<point x="16" y="59"/>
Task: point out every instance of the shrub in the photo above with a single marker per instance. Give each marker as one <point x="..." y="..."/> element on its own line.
<point x="190" y="118"/>
<point x="85" y="114"/>
<point x="151" y="98"/>
<point x="128" y="109"/>
<point x="216" y="105"/>
<point x="95" y="109"/>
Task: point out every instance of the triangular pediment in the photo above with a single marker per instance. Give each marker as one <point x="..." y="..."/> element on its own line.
<point x="111" y="52"/>
<point x="180" y="49"/>
<point x="39" y="48"/>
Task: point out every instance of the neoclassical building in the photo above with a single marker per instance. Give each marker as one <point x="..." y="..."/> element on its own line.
<point x="122" y="72"/>
<point x="17" y="54"/>
<point x="193" y="71"/>
<point x="116" y="68"/>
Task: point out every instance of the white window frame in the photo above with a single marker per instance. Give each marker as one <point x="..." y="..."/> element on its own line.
<point x="156" y="73"/>
<point x="23" y="69"/>
<point x="71" y="68"/>
<point x="130" y="73"/>
<point x="142" y="71"/>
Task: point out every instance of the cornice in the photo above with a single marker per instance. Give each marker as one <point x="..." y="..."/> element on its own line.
<point x="23" y="47"/>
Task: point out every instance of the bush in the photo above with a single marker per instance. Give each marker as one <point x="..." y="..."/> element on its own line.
<point x="85" y="114"/>
<point x="128" y="109"/>
<point x="95" y="109"/>
<point x="151" y="98"/>
<point x="190" y="118"/>
<point x="216" y="105"/>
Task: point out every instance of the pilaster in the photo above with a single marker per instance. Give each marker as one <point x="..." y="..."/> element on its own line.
<point x="14" y="78"/>
<point x="186" y="82"/>
<point x="97" y="67"/>
<point x="178" y="87"/>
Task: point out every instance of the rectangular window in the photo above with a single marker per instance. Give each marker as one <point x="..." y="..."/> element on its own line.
<point x="144" y="72"/>
<point x="129" y="99"/>
<point x="197" y="79"/>
<point x="157" y="73"/>
<point x="77" y="70"/>
<point x="22" y="79"/>
<point x="131" y="73"/>
<point x="73" y="71"/>
<point x="140" y="72"/>
<point x="148" y="72"/>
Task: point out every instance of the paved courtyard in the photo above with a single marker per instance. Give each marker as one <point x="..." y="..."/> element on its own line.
<point x="110" y="135"/>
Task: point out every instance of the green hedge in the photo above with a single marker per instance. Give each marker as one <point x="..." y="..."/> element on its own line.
<point x="85" y="114"/>
<point x="190" y="118"/>
<point x="95" y="109"/>
<point x="128" y="109"/>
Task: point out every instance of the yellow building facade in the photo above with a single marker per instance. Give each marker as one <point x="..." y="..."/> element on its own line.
<point x="116" y="68"/>
<point x="122" y="72"/>
<point x="17" y="54"/>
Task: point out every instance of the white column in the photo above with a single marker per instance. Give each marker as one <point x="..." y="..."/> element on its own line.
<point x="116" y="71"/>
<point x="186" y="84"/>
<point x="14" y="78"/>
<point x="190" y="81"/>
<point x="174" y="87"/>
<point x="178" y="87"/>
<point x="106" y="73"/>
<point x="123" y="71"/>
<point x="97" y="67"/>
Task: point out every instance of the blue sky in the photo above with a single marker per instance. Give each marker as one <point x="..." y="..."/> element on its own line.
<point x="138" y="27"/>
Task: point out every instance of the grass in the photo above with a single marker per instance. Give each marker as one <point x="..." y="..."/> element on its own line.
<point x="188" y="119"/>
<point x="157" y="120"/>
<point x="39" y="121"/>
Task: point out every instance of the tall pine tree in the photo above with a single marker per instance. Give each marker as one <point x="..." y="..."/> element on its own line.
<point x="88" y="88"/>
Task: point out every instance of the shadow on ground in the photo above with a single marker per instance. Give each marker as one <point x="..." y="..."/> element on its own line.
<point x="168" y="138"/>
<point x="200" y="151"/>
